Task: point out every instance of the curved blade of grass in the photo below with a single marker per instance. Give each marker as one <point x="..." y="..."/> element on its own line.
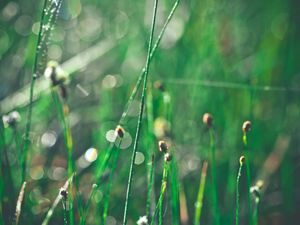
<point x="142" y="105"/>
<point x="158" y="207"/>
<point x="19" y="203"/>
<point x="88" y="204"/>
<point x="238" y="194"/>
<point x="152" y="53"/>
<point x="109" y="185"/>
<point x="199" y="202"/>
<point x="62" y="111"/>
<point x="42" y="39"/>
<point x="137" y="85"/>
<point x="6" y="174"/>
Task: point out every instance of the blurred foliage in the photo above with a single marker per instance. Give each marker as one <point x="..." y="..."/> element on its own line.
<point x="238" y="60"/>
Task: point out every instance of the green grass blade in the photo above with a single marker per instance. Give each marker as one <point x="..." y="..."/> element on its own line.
<point x="174" y="190"/>
<point x="139" y="124"/>
<point x="42" y="39"/>
<point x="199" y="202"/>
<point x="215" y="205"/>
<point x="238" y="193"/>
<point x="88" y="204"/>
<point x="62" y="111"/>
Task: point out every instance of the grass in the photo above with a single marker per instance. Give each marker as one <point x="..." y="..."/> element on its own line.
<point x="199" y="202"/>
<point x="139" y="123"/>
<point x="196" y="55"/>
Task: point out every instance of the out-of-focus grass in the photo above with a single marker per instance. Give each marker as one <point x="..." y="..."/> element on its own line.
<point x="212" y="58"/>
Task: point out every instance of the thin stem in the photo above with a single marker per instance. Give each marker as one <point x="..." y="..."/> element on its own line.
<point x="150" y="152"/>
<point x="238" y="194"/>
<point x="162" y="191"/>
<point x="248" y="177"/>
<point x="62" y="110"/>
<point x="152" y="53"/>
<point x="88" y="204"/>
<point x="255" y="213"/>
<point x="174" y="190"/>
<point x="214" y="177"/>
<point x="109" y="186"/>
<point x="19" y="203"/>
<point x="137" y="86"/>
<point x="34" y="76"/>
<point x="137" y="137"/>
<point x="65" y="210"/>
<point x="160" y="199"/>
<point x="199" y="202"/>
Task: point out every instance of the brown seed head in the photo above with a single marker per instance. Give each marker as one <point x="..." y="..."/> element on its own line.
<point x="120" y="131"/>
<point x="168" y="157"/>
<point x="207" y="119"/>
<point x="64" y="193"/>
<point x="159" y="85"/>
<point x="246" y="126"/>
<point x="242" y="160"/>
<point x="163" y="147"/>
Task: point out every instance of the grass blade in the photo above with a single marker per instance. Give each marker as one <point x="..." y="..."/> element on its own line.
<point x="19" y="203"/>
<point x="174" y="190"/>
<point x="242" y="160"/>
<point x="199" y="202"/>
<point x="88" y="204"/>
<point x="140" y="115"/>
<point x="42" y="39"/>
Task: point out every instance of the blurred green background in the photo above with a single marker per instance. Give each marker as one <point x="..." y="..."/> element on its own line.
<point x="238" y="60"/>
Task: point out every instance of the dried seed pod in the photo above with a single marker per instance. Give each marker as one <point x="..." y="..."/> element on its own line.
<point x="207" y="119"/>
<point x="120" y="131"/>
<point x="246" y="126"/>
<point x="163" y="147"/>
<point x="168" y="157"/>
<point x="242" y="160"/>
<point x="159" y="86"/>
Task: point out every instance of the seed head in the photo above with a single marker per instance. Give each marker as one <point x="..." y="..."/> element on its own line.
<point x="142" y="221"/>
<point x="11" y="119"/>
<point x="246" y="126"/>
<point x="260" y="184"/>
<point x="255" y="191"/>
<point x="64" y="193"/>
<point x="120" y="131"/>
<point x="242" y="160"/>
<point x="207" y="119"/>
<point x="168" y="157"/>
<point x="159" y="85"/>
<point x="163" y="147"/>
<point x="55" y="73"/>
